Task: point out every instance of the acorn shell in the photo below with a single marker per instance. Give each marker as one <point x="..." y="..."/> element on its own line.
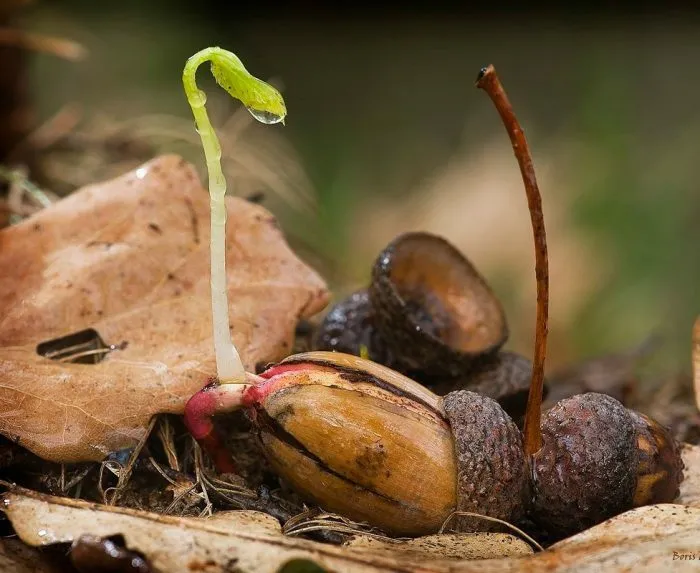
<point x="360" y="440"/>
<point x="434" y="310"/>
<point x="493" y="478"/>
<point x="586" y="470"/>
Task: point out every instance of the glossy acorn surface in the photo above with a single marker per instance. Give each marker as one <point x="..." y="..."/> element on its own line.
<point x="433" y="309"/>
<point x="349" y="327"/>
<point x="362" y="440"/>
<point x="358" y="439"/>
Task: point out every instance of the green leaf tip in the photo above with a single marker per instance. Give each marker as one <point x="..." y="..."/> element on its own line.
<point x="261" y="99"/>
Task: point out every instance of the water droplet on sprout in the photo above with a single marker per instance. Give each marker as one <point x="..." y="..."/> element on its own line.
<point x="198" y="99"/>
<point x="265" y="116"/>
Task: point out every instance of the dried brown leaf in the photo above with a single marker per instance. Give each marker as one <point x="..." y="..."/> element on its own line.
<point x="456" y="546"/>
<point x="130" y="259"/>
<point x="174" y="544"/>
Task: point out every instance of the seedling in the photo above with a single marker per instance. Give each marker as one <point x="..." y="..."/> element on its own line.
<point x="362" y="440"/>
<point x="266" y="105"/>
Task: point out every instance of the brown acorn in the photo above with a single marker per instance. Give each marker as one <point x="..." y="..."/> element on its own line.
<point x="359" y="439"/>
<point x="433" y="309"/>
<point x="585" y="471"/>
<point x="585" y="454"/>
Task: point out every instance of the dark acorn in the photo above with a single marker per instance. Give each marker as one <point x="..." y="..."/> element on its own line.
<point x="585" y="471"/>
<point x="433" y="309"/>
<point x="349" y="327"/>
<point x="598" y="459"/>
<point x="590" y="457"/>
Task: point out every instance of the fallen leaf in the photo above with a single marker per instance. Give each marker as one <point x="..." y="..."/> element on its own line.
<point x="185" y="544"/>
<point x="645" y="539"/>
<point x="648" y="538"/>
<point x="457" y="546"/>
<point x="129" y="258"/>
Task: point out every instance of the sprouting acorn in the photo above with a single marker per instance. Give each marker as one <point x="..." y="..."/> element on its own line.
<point x="362" y="440"/>
<point x="590" y="457"/>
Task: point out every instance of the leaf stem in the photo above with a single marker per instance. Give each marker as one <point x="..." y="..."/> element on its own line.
<point x="266" y="104"/>
<point x="489" y="82"/>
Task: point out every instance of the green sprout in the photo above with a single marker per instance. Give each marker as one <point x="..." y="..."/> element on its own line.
<point x="266" y="105"/>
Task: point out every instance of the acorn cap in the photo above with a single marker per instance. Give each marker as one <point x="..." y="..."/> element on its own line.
<point x="586" y="469"/>
<point x="492" y="473"/>
<point x="660" y="466"/>
<point x="434" y="310"/>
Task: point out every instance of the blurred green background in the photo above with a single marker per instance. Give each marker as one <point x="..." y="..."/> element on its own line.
<point x="385" y="120"/>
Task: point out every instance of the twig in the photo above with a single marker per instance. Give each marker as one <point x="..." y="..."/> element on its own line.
<point x="78" y="478"/>
<point x="489" y="82"/>
<point x="157" y="467"/>
<point x="166" y="434"/>
<point x="125" y="472"/>
<point x="510" y="526"/>
<point x="199" y="474"/>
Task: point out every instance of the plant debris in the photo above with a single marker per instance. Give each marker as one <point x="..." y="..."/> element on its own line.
<point x="128" y="259"/>
<point x="645" y="539"/>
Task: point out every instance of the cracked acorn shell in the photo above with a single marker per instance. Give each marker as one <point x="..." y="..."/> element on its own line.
<point x="433" y="309"/>
<point x="366" y="442"/>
